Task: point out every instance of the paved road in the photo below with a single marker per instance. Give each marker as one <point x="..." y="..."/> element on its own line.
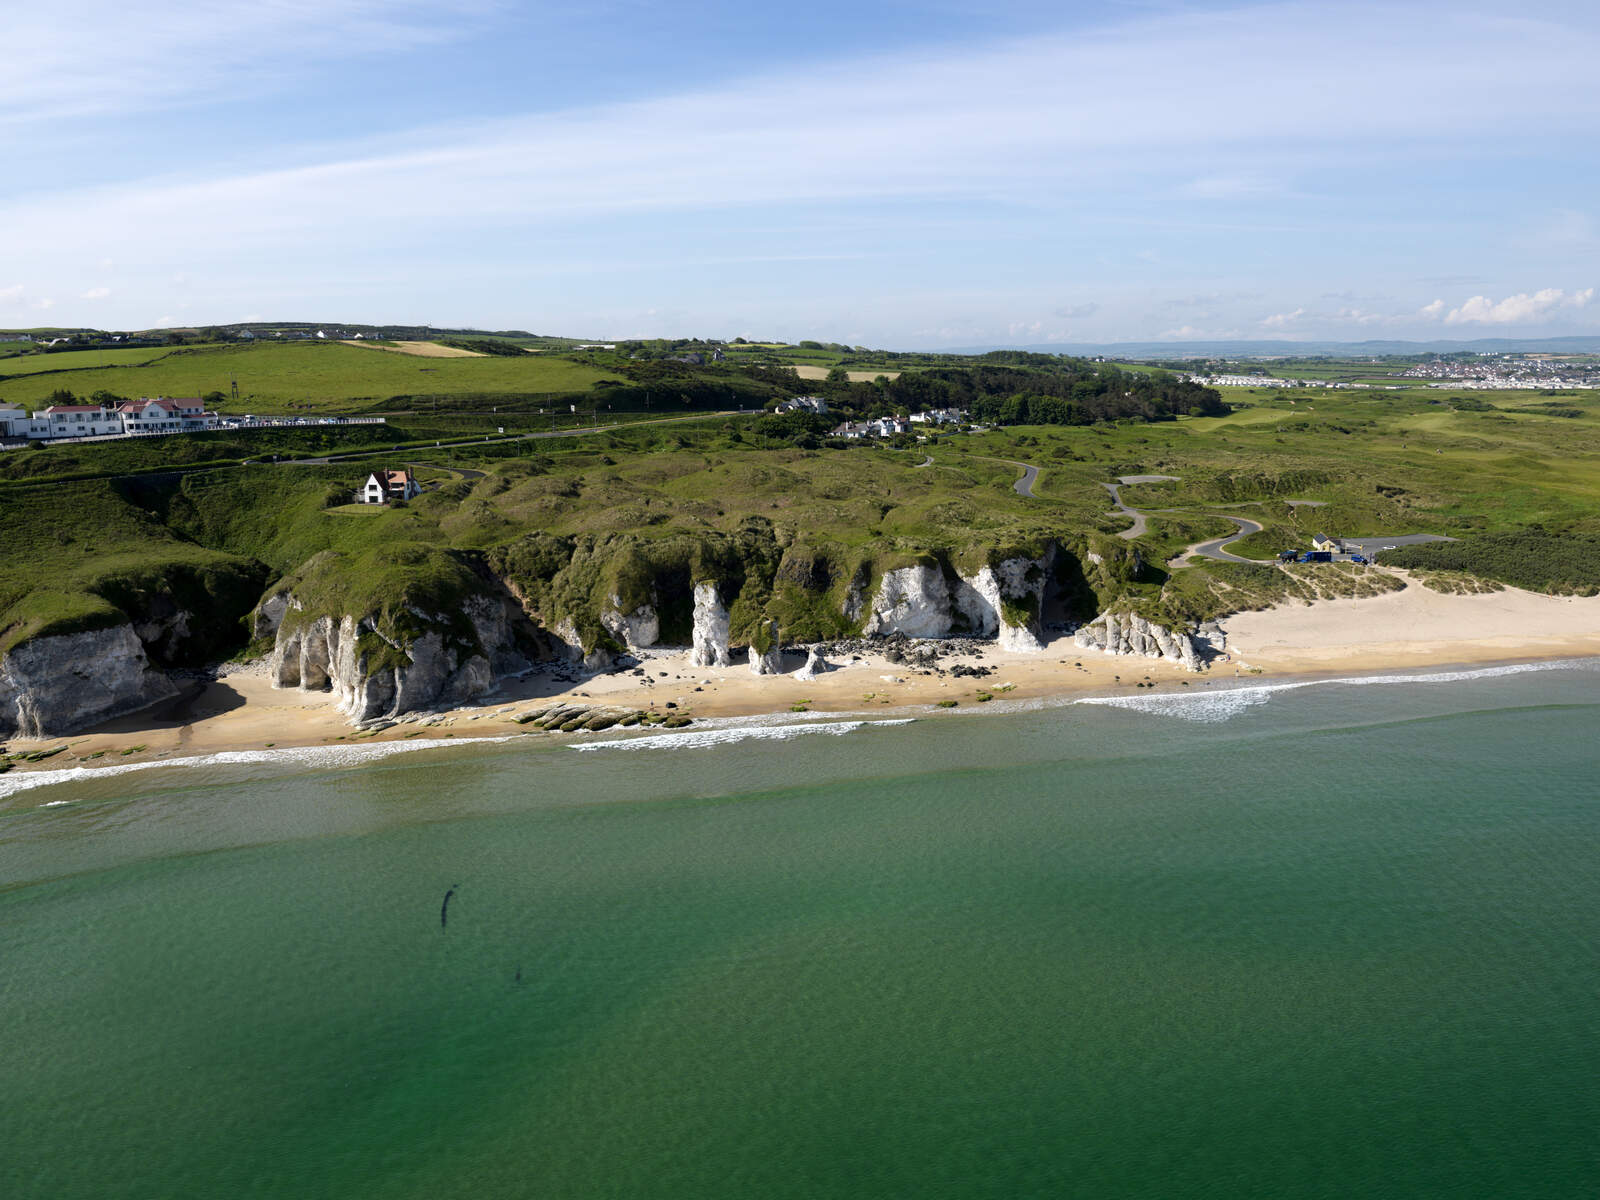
<point x="450" y="443"/>
<point x="458" y="472"/>
<point x="1137" y="529"/>
<point x="1024" y="485"/>
<point x="1217" y="548"/>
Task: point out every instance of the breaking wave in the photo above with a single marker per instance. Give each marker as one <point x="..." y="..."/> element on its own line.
<point x="1223" y="704"/>
<point x="14" y="782"/>
<point x="696" y="739"/>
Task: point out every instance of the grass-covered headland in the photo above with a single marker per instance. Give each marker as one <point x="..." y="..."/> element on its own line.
<point x="789" y="521"/>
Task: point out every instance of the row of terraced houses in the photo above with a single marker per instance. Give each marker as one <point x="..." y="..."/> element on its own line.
<point x="61" y="422"/>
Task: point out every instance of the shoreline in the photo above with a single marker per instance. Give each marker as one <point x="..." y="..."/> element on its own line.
<point x="1405" y="631"/>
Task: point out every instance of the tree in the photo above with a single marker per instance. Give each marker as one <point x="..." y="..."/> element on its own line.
<point x="837" y="375"/>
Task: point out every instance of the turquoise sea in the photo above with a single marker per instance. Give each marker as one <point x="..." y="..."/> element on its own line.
<point x="1333" y="940"/>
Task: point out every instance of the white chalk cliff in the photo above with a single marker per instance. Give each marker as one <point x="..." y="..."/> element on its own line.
<point x="60" y="684"/>
<point x="769" y="661"/>
<point x="920" y="602"/>
<point x="376" y="678"/>
<point x="636" y="629"/>
<point x="710" y="637"/>
<point x="1128" y="633"/>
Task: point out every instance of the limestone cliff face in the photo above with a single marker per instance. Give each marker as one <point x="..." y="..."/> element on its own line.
<point x="1128" y="633"/>
<point x="636" y="629"/>
<point x="815" y="664"/>
<point x="1003" y="600"/>
<point x="570" y="646"/>
<point x="710" y="637"/>
<point x="770" y="660"/>
<point x="57" y="685"/>
<point x="912" y="600"/>
<point x="379" y="676"/>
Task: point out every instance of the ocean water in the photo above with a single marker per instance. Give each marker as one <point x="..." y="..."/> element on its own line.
<point x="1337" y="940"/>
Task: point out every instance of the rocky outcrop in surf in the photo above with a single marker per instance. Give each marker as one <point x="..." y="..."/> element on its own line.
<point x="1129" y="633"/>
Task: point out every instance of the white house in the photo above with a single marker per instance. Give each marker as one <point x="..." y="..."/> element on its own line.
<point x="382" y="487"/>
<point x="816" y="404"/>
<point x="939" y="416"/>
<point x="17" y="423"/>
<point x="162" y="415"/>
<point x="78" y="420"/>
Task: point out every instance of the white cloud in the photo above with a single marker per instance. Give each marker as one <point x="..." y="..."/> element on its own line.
<point x="1358" y="316"/>
<point x="43" y="302"/>
<point x="1432" y="312"/>
<point x="1518" y="309"/>
<point x="1042" y="113"/>
<point x="1232" y="187"/>
<point x="1284" y="319"/>
<point x="97" y="293"/>
<point x="11" y="294"/>
<point x="89" y="56"/>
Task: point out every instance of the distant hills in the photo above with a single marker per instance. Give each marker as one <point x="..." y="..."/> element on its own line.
<point x="1282" y="349"/>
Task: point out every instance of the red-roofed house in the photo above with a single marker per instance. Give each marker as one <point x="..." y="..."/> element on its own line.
<point x="385" y="486"/>
<point x="163" y="415"/>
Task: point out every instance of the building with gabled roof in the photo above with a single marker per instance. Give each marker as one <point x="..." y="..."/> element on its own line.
<point x="385" y="487"/>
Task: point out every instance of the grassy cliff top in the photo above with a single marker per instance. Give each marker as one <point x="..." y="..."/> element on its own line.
<point x="1374" y="463"/>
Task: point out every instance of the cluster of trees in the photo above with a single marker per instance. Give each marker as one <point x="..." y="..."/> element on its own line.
<point x="1028" y="389"/>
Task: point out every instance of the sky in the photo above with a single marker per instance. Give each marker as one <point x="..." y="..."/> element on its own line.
<point x="879" y="172"/>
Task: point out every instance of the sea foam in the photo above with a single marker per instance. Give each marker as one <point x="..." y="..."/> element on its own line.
<point x="14" y="782"/>
<point x="699" y="739"/>
<point x="1223" y="704"/>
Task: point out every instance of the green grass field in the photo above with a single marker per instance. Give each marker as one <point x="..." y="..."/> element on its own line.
<point x="299" y="377"/>
<point x="77" y="360"/>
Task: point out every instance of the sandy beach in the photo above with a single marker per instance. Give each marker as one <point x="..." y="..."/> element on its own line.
<point x="1414" y="628"/>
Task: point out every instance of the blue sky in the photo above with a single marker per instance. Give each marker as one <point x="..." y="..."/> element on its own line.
<point x="886" y="173"/>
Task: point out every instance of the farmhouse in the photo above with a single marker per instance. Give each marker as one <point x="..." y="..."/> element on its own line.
<point x="1322" y="541"/>
<point x="384" y="487"/>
